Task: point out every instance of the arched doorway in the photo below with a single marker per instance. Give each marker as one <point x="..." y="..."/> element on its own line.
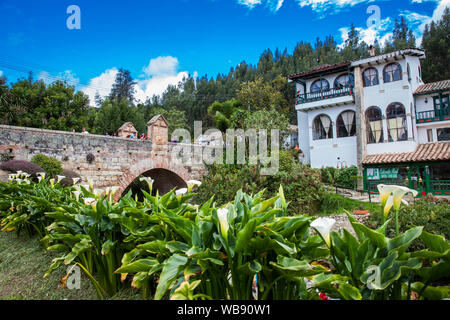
<point x="164" y="181"/>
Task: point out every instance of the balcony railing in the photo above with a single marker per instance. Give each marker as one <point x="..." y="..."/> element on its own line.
<point x="433" y="115"/>
<point x="323" y="95"/>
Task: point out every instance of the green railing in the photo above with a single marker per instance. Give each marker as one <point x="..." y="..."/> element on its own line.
<point x="433" y="115"/>
<point x="323" y="95"/>
<point x="371" y="186"/>
<point x="440" y="187"/>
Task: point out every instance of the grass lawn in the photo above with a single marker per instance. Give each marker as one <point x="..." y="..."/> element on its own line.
<point x="336" y="204"/>
<point x="23" y="263"/>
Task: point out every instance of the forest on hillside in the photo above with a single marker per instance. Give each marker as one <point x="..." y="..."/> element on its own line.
<point x="247" y="95"/>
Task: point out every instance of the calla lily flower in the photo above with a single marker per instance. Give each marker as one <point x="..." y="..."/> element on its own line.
<point x="75" y="180"/>
<point x="42" y="174"/>
<point x="399" y="193"/>
<point x="85" y="186"/>
<point x="52" y="183"/>
<point x="388" y="206"/>
<point x="91" y="185"/>
<point x="149" y="181"/>
<point x="60" y="178"/>
<point x="20" y="173"/>
<point x="27" y="181"/>
<point x="222" y="214"/>
<point x="181" y="192"/>
<point x="192" y="183"/>
<point x="39" y="179"/>
<point x="77" y="194"/>
<point x="385" y="191"/>
<point x="18" y="180"/>
<point x="323" y="227"/>
<point x="91" y="202"/>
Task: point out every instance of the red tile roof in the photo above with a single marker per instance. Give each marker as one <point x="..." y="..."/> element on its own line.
<point x="433" y="87"/>
<point x="439" y="151"/>
<point x="320" y="69"/>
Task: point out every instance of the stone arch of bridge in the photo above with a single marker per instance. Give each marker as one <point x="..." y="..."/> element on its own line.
<point x="166" y="177"/>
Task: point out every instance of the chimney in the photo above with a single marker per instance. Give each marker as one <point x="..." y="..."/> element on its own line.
<point x="372" y="51"/>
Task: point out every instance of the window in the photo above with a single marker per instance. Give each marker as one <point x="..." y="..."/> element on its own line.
<point x="444" y="108"/>
<point x="374" y="125"/>
<point x="443" y="134"/>
<point x="392" y="72"/>
<point x="409" y="72"/>
<point x="396" y="120"/>
<point x="420" y="72"/>
<point x="346" y="124"/>
<point x="344" y="81"/>
<point x="430" y="135"/>
<point x="320" y="86"/>
<point x="322" y="128"/>
<point x="370" y="77"/>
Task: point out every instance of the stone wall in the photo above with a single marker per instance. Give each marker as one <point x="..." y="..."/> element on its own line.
<point x="118" y="161"/>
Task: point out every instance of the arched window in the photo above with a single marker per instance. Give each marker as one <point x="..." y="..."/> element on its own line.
<point x="322" y="128"/>
<point x="374" y="124"/>
<point x="344" y="81"/>
<point x="392" y="72"/>
<point x="396" y="120"/>
<point x="346" y="124"/>
<point x="320" y="86"/>
<point x="370" y="77"/>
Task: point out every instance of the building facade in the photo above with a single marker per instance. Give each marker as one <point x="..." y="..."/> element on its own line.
<point x="376" y="113"/>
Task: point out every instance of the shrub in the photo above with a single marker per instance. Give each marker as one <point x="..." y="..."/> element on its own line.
<point x="51" y="165"/>
<point x="6" y="156"/>
<point x="69" y="175"/>
<point x="21" y="165"/>
<point x="345" y="178"/>
<point x="337" y="204"/>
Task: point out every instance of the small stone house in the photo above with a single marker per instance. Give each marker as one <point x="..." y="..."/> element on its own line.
<point x="127" y="130"/>
<point x="158" y="130"/>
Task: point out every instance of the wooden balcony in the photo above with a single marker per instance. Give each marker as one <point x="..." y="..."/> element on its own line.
<point x="433" y="116"/>
<point x="303" y="98"/>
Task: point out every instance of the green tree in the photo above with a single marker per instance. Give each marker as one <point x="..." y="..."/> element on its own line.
<point x="123" y="87"/>
<point x="223" y="113"/>
<point x="436" y="42"/>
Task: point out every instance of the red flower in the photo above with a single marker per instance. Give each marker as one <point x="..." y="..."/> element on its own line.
<point x="323" y="296"/>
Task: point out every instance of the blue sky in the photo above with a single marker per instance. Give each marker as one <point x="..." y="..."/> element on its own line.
<point x="162" y="41"/>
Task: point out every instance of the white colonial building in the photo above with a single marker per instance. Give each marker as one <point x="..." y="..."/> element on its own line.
<point x="376" y="113"/>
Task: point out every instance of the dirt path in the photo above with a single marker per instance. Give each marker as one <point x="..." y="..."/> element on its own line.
<point x="342" y="222"/>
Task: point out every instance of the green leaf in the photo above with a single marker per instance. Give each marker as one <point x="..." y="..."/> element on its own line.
<point x="171" y="269"/>
<point x="107" y="246"/>
<point x="435" y="242"/>
<point x="349" y="292"/>
<point x="244" y="236"/>
<point x="142" y="265"/>
<point x="403" y="241"/>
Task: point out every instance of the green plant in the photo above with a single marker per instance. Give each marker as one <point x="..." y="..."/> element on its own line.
<point x="50" y="165"/>
<point x="343" y="177"/>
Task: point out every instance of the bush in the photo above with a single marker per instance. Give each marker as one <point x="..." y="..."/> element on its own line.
<point x="432" y="214"/>
<point x="51" y="165"/>
<point x="302" y="186"/>
<point x="21" y="165"/>
<point x="68" y="180"/>
<point x="345" y="178"/>
<point x="6" y="156"/>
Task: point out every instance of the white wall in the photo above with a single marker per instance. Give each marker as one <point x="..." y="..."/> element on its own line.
<point x="325" y="153"/>
<point x="422" y="130"/>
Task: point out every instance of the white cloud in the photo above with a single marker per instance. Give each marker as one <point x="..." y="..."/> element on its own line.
<point x="158" y="75"/>
<point x="368" y="35"/>
<point x="418" y="21"/>
<point x="273" y="5"/>
<point x="329" y="6"/>
<point x="1" y="73"/>
<point x="101" y="84"/>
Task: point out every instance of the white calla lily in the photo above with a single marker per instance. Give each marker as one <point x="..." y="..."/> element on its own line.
<point x="60" y="178"/>
<point x="385" y="191"/>
<point x="52" y="183"/>
<point x="192" y="183"/>
<point x="222" y="214"/>
<point x="42" y="174"/>
<point x="323" y="227"/>
<point x="388" y="206"/>
<point x="91" y="202"/>
<point x="75" y="180"/>
<point x="399" y="193"/>
<point x="99" y="192"/>
<point x="91" y="185"/>
<point x="181" y="192"/>
<point x="39" y="179"/>
<point x="77" y="194"/>
<point x="149" y="181"/>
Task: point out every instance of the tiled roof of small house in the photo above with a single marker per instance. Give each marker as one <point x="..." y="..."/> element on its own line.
<point x="155" y="118"/>
<point x="433" y="87"/>
<point x="126" y="124"/>
<point x="438" y="151"/>
<point x="320" y="69"/>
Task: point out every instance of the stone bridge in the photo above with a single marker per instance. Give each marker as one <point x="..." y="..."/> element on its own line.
<point x="109" y="161"/>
